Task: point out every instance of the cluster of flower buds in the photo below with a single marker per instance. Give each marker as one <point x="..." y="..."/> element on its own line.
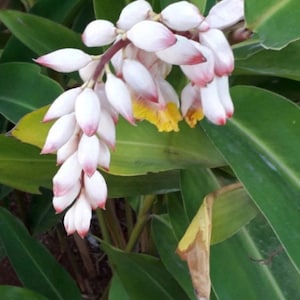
<point x="129" y="79"/>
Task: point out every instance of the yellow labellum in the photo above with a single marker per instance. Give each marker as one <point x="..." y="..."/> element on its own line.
<point x="165" y="118"/>
<point x="193" y="116"/>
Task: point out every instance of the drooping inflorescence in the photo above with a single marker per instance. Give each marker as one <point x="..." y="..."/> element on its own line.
<point x="130" y="79"/>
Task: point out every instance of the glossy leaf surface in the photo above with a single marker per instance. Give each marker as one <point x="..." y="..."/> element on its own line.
<point x="254" y="261"/>
<point x="139" y="149"/>
<point x="263" y="151"/>
<point x="18" y="81"/>
<point x="148" y="278"/>
<point x="8" y="292"/>
<point x="36" y="267"/>
<point x="22" y="166"/>
<point x="284" y="63"/>
<point x="40" y="34"/>
<point x="275" y="21"/>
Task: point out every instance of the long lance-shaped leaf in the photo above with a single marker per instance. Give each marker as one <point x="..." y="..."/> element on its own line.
<point x="264" y="17"/>
<point x="18" y="81"/>
<point x="253" y="265"/>
<point x="139" y="149"/>
<point x="261" y="143"/>
<point x="35" y="266"/>
<point x="40" y="34"/>
<point x="9" y="292"/>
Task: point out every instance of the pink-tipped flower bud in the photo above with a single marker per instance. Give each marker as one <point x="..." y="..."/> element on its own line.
<point x="217" y="42"/>
<point x="87" y="111"/>
<point x="62" y="105"/>
<point x="61" y="203"/>
<point x="65" y="60"/>
<point x="151" y="36"/>
<point x="67" y="176"/>
<point x="139" y="79"/>
<point x="223" y="89"/>
<point x="104" y="156"/>
<point x="99" y="33"/>
<point x="183" y="52"/>
<point x="78" y="217"/>
<point x="86" y="73"/>
<point x="181" y="16"/>
<point x="190" y="94"/>
<point x="68" y="148"/>
<point x="119" y="97"/>
<point x="88" y="153"/>
<point x="203" y="73"/>
<point x="225" y="13"/>
<point x="60" y="132"/>
<point x="133" y="13"/>
<point x="107" y="129"/>
<point x="212" y="105"/>
<point x="95" y="189"/>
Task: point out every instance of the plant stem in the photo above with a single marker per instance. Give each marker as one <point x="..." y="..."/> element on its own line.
<point x="102" y="224"/>
<point x="142" y="219"/>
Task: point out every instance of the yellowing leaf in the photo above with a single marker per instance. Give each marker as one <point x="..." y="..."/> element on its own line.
<point x="27" y="130"/>
<point x="194" y="248"/>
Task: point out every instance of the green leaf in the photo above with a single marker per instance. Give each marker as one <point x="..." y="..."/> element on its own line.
<point x="40" y="34"/>
<point x="22" y="167"/>
<point x="232" y="209"/>
<point x="166" y="244"/>
<point x="282" y="63"/>
<point x="18" y="81"/>
<point x="116" y="290"/>
<point x="36" y="267"/>
<point x="261" y="144"/>
<point x="195" y="184"/>
<point x="41" y="215"/>
<point x="140" y="149"/>
<point x="108" y="9"/>
<point x="56" y="10"/>
<point x="143" y="149"/>
<point x="143" y="276"/>
<point x="265" y="18"/>
<point x="255" y="265"/>
<point x="8" y="292"/>
<point x="153" y="183"/>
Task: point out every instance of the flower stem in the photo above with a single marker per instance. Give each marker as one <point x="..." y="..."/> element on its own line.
<point x="102" y="224"/>
<point x="107" y="55"/>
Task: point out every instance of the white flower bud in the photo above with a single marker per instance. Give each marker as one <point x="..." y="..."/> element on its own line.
<point x="201" y="74"/>
<point x="119" y="97"/>
<point x="88" y="153"/>
<point x="133" y="13"/>
<point x="183" y="52"/>
<point x="151" y="36"/>
<point x="139" y="79"/>
<point x="61" y="203"/>
<point x="99" y="33"/>
<point x="217" y="42"/>
<point x="59" y="133"/>
<point x="87" y="111"/>
<point x="223" y="89"/>
<point x="212" y="105"/>
<point x="65" y="60"/>
<point x="107" y="129"/>
<point x="95" y="189"/>
<point x="62" y="105"/>
<point x="225" y="13"/>
<point x="104" y="156"/>
<point x="181" y="16"/>
<point x="67" y="176"/>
